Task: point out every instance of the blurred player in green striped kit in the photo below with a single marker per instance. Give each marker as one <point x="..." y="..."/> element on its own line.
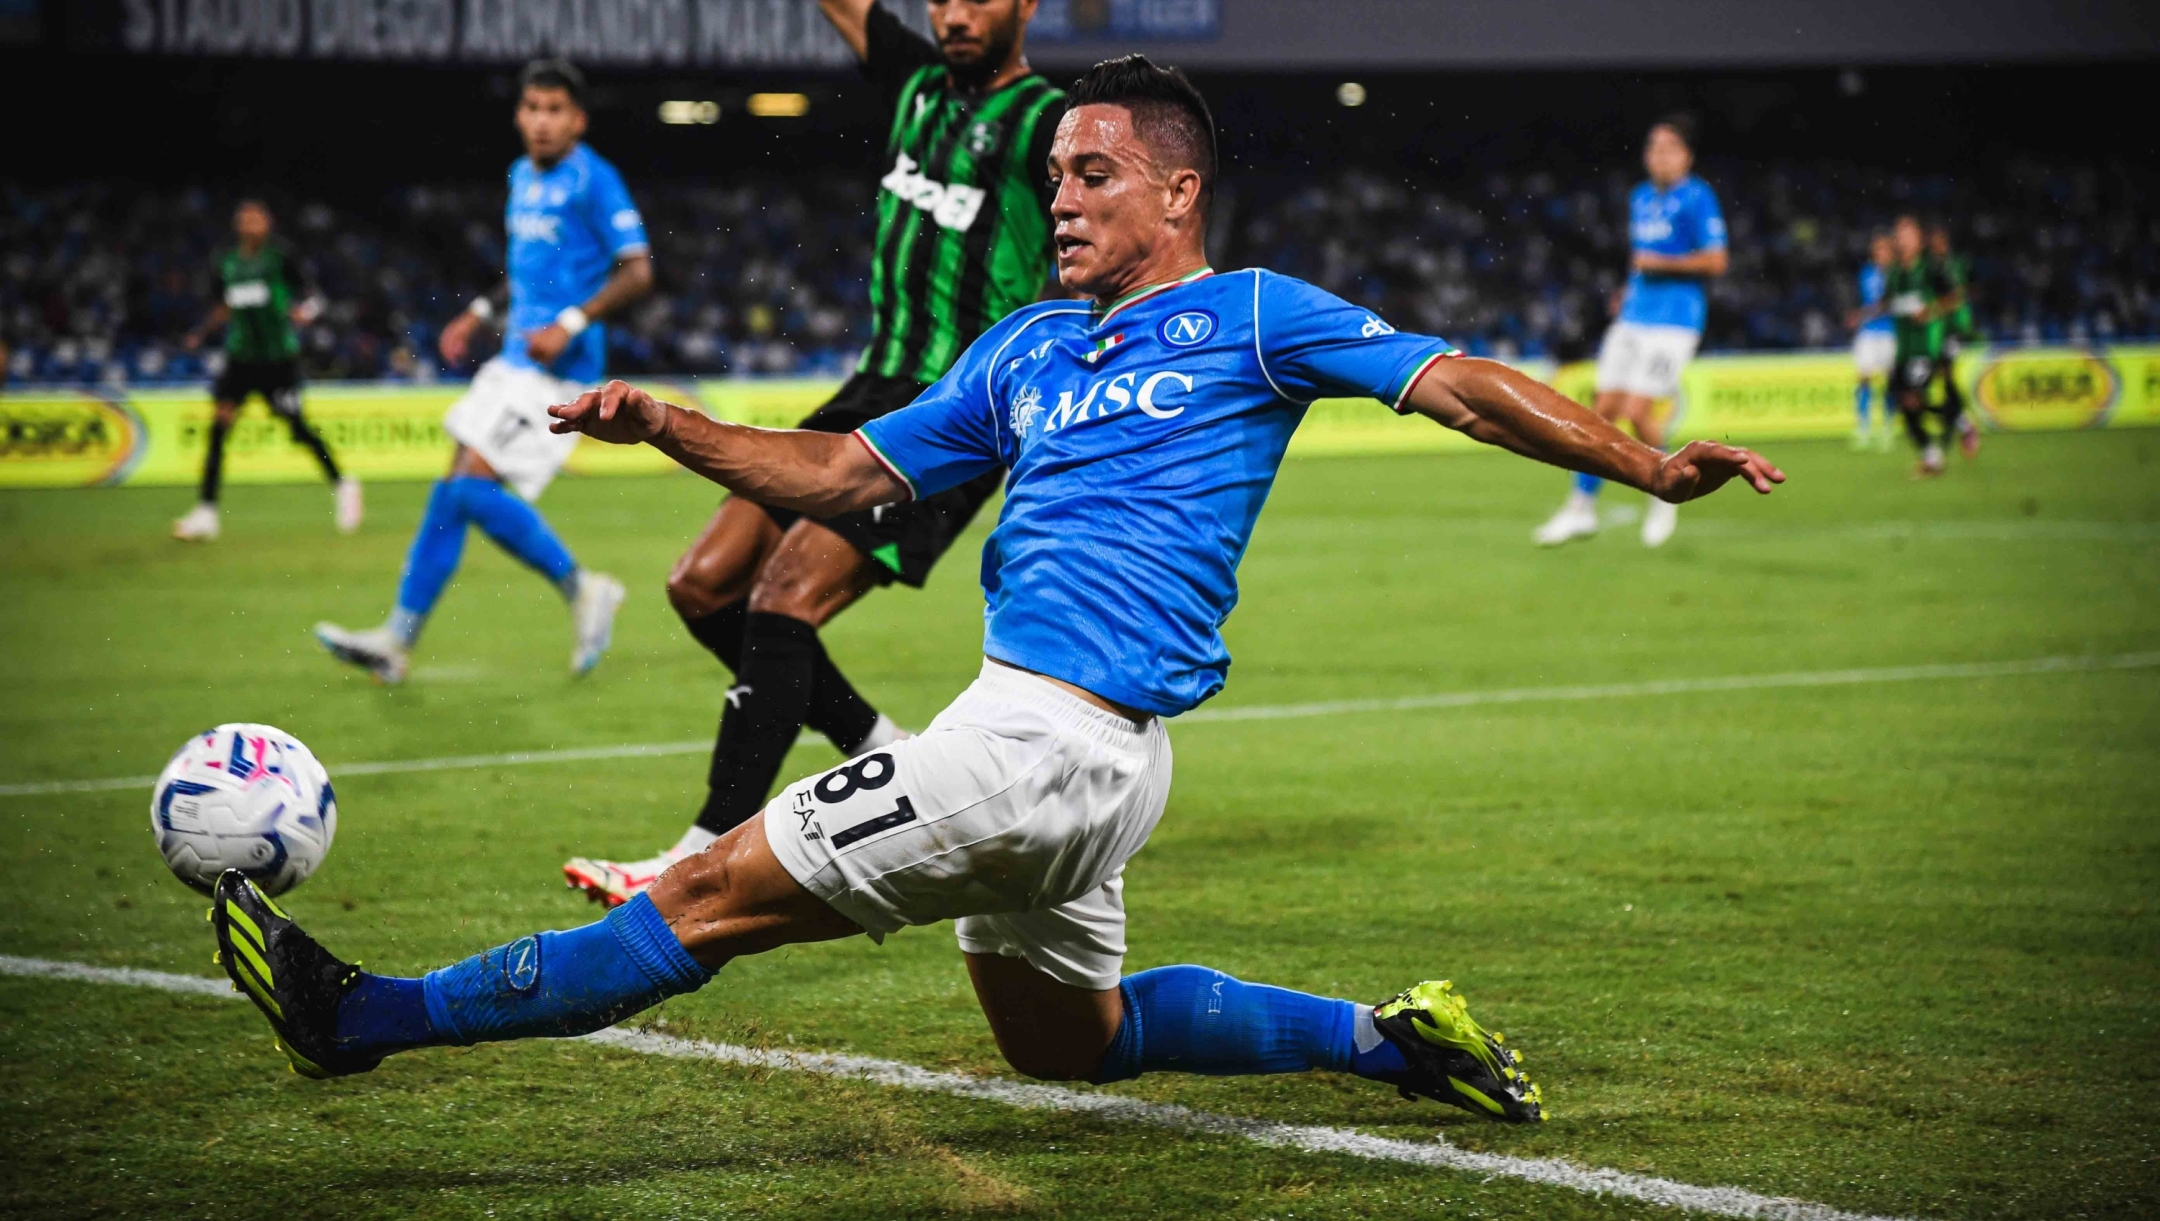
<point x="1957" y="330"/>
<point x="262" y="356"/>
<point x="1921" y="296"/>
<point x="963" y="239"/>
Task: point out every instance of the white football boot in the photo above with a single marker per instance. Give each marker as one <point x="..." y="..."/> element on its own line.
<point x="614" y="883"/>
<point x="376" y="650"/>
<point x="349" y="508"/>
<point x="1659" y="521"/>
<point x="1577" y="518"/>
<point x="599" y="596"/>
<point x="199" y="526"/>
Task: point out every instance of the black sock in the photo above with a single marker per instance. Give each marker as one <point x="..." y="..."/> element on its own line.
<point x="1953" y="406"/>
<point x="304" y="435"/>
<point x="721" y="632"/>
<point x="764" y="713"/>
<point x="836" y="709"/>
<point x="1916" y="425"/>
<point x="213" y="467"/>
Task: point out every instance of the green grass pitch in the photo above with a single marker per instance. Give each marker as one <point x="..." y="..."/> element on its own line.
<point x="1890" y="947"/>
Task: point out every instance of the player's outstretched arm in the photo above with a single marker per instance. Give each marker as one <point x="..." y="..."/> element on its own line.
<point x="1490" y="402"/>
<point x="852" y="19"/>
<point x="818" y="473"/>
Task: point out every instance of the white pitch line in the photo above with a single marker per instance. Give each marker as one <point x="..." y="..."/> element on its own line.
<point x="1438" y="1154"/>
<point x="1261" y="712"/>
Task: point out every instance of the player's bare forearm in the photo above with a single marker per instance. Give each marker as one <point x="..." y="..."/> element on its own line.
<point x="817" y="473"/>
<point x="218" y="318"/>
<point x="852" y="19"/>
<point x="1490" y="402"/>
<point x="1493" y="403"/>
<point x="631" y="279"/>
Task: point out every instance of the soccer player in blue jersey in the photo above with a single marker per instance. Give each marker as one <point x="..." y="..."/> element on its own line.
<point x="1874" y="345"/>
<point x="1678" y="235"/>
<point x="577" y="253"/>
<point x="1142" y="430"/>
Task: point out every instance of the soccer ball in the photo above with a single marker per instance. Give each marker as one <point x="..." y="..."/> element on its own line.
<point x="245" y="797"/>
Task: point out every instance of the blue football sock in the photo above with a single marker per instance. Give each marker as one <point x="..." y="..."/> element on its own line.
<point x="383" y="1013"/>
<point x="550" y="985"/>
<point x="516" y="527"/>
<point x="1199" y="1020"/>
<point x="1862" y="399"/>
<point x="436" y="548"/>
<point x="1588" y="485"/>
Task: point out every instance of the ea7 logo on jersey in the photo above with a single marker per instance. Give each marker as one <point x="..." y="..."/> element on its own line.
<point x="536" y="227"/>
<point x="1187" y="330"/>
<point x="952" y="206"/>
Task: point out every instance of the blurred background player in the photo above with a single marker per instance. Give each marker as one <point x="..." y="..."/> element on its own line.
<point x="963" y="239"/>
<point x="1874" y="345"/>
<point x="1678" y="236"/>
<point x="577" y="253"/>
<point x="262" y="356"/>
<point x="1957" y="329"/>
<point x="1920" y="296"/>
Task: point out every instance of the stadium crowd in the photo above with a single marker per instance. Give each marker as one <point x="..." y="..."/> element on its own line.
<point x="100" y="283"/>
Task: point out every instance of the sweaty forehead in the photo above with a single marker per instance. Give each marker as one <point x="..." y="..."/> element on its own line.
<point x="1098" y="129"/>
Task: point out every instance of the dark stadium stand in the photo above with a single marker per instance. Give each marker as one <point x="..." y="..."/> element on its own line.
<point x="100" y="282"/>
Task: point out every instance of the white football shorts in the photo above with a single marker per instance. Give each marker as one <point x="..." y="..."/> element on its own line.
<point x="1645" y="359"/>
<point x="503" y="417"/>
<point x="1013" y="814"/>
<point x="1873" y="352"/>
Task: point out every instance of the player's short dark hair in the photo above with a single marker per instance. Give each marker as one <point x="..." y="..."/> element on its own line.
<point x="1680" y="124"/>
<point x="256" y="202"/>
<point x="1167" y="112"/>
<point x="554" y="74"/>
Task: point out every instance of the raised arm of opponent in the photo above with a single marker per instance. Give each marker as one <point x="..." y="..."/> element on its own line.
<point x="852" y="19"/>
<point x="820" y="474"/>
<point x="1490" y="402"/>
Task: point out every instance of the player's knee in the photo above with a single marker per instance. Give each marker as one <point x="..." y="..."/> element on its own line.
<point x="1051" y="1062"/>
<point x="701" y="584"/>
<point x="811" y="585"/>
<point x="792" y="596"/>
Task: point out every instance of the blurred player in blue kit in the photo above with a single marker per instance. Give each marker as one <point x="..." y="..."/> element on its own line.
<point x="1874" y="347"/>
<point x="577" y="253"/>
<point x="1678" y="235"/>
<point x="1142" y="429"/>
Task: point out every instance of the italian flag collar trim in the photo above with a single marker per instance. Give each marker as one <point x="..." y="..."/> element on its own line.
<point x="1141" y="294"/>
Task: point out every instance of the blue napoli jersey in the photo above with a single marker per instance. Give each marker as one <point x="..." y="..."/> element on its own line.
<point x="1141" y="442"/>
<point x="567" y="225"/>
<point x="1683" y="220"/>
<point x="1873" y="283"/>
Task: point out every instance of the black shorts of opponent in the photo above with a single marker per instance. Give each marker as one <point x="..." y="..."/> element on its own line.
<point x="278" y="381"/>
<point x="905" y="540"/>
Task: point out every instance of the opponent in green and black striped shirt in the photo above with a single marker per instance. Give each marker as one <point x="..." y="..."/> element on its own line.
<point x="262" y="356"/>
<point x="963" y="209"/>
<point x="963" y="239"/>
<point x="258" y="304"/>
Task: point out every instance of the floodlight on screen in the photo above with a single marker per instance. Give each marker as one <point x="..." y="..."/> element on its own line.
<point x="688" y="113"/>
<point x="779" y="105"/>
<point x="1350" y="93"/>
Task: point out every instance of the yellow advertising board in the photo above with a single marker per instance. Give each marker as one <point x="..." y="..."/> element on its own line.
<point x="81" y="437"/>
